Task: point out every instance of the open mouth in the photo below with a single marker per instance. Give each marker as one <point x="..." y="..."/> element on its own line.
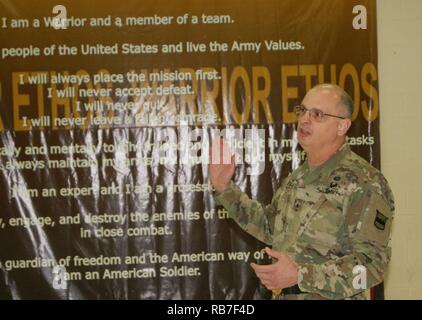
<point x="304" y="132"/>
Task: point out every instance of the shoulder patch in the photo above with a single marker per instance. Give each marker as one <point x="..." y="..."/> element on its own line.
<point x="380" y="220"/>
<point x="376" y="220"/>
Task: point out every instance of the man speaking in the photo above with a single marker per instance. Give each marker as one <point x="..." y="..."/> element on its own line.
<point x="329" y="222"/>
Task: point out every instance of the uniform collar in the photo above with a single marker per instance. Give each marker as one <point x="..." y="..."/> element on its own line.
<point x="308" y="175"/>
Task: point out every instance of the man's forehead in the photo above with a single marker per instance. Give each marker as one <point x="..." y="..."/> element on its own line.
<point x="321" y="98"/>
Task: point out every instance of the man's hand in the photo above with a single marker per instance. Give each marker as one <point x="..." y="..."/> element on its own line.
<point x="279" y="275"/>
<point x="221" y="167"/>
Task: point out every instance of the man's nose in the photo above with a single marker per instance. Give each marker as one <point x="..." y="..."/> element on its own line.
<point x="306" y="117"/>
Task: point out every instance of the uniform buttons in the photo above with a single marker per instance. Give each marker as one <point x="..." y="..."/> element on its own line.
<point x="297" y="204"/>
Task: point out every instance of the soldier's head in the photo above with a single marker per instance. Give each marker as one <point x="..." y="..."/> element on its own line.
<point x="324" y="117"/>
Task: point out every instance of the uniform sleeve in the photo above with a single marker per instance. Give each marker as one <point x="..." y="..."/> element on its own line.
<point x="368" y="220"/>
<point x="250" y="215"/>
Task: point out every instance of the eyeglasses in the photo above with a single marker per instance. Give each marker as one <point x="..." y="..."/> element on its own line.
<point x="316" y="114"/>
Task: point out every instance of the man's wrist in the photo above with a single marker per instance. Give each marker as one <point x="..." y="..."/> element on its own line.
<point x="230" y="194"/>
<point x="222" y="188"/>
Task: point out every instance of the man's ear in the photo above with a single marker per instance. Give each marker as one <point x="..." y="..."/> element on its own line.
<point x="343" y="126"/>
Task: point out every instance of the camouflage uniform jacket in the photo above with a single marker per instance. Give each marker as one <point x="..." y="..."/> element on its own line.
<point x="328" y="219"/>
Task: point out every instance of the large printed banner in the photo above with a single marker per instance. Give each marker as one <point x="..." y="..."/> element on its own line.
<point x="107" y="113"/>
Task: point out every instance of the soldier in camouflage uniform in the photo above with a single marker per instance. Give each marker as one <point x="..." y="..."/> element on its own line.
<point x="329" y="222"/>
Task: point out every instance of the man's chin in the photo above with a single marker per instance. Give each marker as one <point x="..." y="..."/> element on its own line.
<point x="303" y="141"/>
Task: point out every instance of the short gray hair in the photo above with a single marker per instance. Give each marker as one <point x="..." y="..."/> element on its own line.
<point x="346" y="102"/>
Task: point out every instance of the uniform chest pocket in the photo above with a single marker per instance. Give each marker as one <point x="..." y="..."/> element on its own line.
<point x="321" y="227"/>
